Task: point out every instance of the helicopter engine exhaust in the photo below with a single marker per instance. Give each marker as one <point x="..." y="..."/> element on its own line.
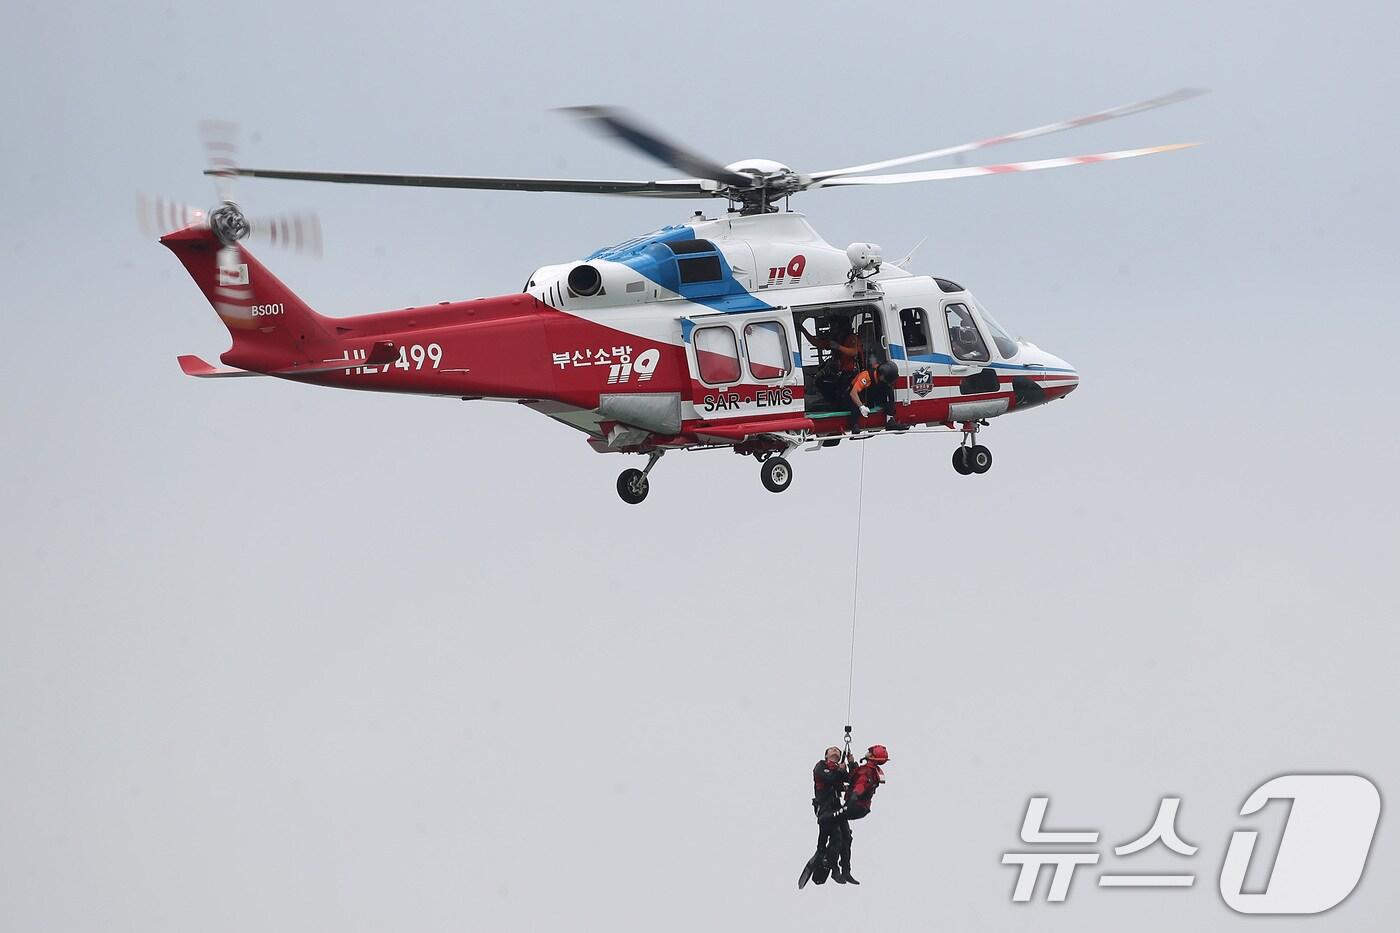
<point x="585" y="281"/>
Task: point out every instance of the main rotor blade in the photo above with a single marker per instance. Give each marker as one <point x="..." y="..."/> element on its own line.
<point x="220" y="138"/>
<point x="1112" y="113"/>
<point x="677" y="188"/>
<point x="614" y="122"/>
<point x="971" y="171"/>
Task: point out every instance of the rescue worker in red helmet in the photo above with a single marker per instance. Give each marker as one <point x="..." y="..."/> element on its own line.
<point x="865" y="780"/>
<point x="830" y="776"/>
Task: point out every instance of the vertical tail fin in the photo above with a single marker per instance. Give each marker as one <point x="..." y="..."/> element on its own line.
<point x="271" y="327"/>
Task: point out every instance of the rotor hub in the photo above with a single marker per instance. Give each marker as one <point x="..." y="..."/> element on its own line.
<point x="773" y="181"/>
<point x="759" y="168"/>
<point x="228" y="223"/>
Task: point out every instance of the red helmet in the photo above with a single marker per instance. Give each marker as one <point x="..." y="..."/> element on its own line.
<point x="878" y="754"/>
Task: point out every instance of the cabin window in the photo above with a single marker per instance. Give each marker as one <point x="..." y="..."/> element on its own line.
<point x="963" y="334"/>
<point x="767" y="346"/>
<point x="914" y="322"/>
<point x="717" y="355"/>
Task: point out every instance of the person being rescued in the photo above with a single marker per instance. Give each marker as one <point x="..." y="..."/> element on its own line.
<point x="866" y="779"/>
<point x="873" y="386"/>
<point x="843" y="362"/>
<point x="830" y="776"/>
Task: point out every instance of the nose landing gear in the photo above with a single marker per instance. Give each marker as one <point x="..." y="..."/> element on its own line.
<point x="974" y="459"/>
<point x="971" y="457"/>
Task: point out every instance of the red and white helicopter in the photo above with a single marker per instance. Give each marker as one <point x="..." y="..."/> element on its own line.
<point x="693" y="336"/>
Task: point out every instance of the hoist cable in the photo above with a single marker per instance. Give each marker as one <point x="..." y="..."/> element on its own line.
<point x="855" y="591"/>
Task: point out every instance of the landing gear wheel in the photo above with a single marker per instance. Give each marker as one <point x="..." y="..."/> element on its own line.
<point x="632" y="486"/>
<point x="980" y="458"/>
<point x="776" y="474"/>
<point x="961" y="461"/>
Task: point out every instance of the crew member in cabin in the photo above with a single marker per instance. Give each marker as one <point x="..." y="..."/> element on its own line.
<point x="843" y="363"/>
<point x="873" y="386"/>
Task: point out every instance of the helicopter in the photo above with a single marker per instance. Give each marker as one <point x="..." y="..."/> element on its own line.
<point x="714" y="333"/>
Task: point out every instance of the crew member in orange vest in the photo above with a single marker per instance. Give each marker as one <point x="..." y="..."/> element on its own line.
<point x="873" y="386"/>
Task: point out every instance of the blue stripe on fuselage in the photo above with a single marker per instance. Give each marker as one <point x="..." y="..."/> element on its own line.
<point x="650" y="257"/>
<point x="947" y="360"/>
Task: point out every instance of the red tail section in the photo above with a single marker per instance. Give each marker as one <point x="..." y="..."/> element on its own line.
<point x="271" y="327"/>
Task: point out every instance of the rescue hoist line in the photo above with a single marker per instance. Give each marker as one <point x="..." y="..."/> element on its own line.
<point x="855" y="595"/>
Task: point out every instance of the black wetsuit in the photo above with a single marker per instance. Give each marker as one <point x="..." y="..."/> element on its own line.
<point x="827" y="781"/>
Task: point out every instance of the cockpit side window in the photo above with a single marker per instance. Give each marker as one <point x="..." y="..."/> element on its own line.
<point x="963" y="334"/>
<point x="1006" y="345"/>
<point x="914" y="323"/>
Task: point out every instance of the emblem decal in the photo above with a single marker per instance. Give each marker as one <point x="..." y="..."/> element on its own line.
<point x="922" y="381"/>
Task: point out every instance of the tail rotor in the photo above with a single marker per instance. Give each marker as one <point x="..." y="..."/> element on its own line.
<point x="300" y="232"/>
<point x="157" y="215"/>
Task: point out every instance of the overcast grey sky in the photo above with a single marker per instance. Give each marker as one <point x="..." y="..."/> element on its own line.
<point x="276" y="657"/>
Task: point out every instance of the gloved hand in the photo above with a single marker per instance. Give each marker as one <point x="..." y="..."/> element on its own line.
<point x="864" y="411"/>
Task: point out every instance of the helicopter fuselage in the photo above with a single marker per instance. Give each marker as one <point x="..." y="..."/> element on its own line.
<point x="696" y="335"/>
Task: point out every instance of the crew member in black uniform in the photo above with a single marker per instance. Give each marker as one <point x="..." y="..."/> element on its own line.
<point x="829" y="777"/>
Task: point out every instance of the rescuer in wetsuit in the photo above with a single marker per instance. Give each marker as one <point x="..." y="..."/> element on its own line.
<point x="866" y="779"/>
<point x="829" y="777"/>
<point x="873" y="386"/>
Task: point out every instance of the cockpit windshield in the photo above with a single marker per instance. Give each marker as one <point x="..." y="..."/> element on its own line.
<point x="1007" y="346"/>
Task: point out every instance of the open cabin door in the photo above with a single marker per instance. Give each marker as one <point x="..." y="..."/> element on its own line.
<point x="858" y="323"/>
<point x="742" y="366"/>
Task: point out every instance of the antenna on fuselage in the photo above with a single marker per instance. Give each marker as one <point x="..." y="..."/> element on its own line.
<point x="900" y="263"/>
